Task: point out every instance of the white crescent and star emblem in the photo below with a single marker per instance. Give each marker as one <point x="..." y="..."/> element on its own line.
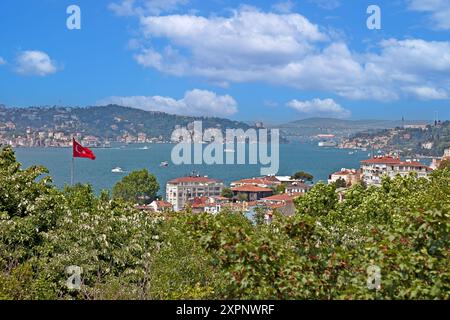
<point x="77" y="150"/>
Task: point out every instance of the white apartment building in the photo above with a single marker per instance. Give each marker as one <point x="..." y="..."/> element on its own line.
<point x="180" y="190"/>
<point x="374" y="169"/>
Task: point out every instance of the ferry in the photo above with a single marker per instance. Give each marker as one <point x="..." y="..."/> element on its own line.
<point x="328" y="144"/>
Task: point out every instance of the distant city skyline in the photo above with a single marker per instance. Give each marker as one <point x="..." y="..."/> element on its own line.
<point x="270" y="61"/>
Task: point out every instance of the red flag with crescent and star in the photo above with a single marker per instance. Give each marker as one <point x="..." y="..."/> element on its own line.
<point x="82" y="152"/>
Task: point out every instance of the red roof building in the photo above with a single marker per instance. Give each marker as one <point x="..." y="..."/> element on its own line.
<point x="374" y="169"/>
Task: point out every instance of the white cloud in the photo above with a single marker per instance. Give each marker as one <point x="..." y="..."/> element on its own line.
<point x="439" y="11"/>
<point x="35" y="63"/>
<point x="319" y="107"/>
<point x="289" y="50"/>
<point x="284" y="6"/>
<point x="427" y="93"/>
<point x="142" y="7"/>
<point x="2" y="61"/>
<point x="195" y="103"/>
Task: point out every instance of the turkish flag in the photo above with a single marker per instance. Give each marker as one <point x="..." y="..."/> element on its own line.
<point x="81" y="152"/>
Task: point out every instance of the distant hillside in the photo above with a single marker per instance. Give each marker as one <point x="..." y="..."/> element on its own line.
<point x="430" y="140"/>
<point x="308" y="128"/>
<point x="105" y="122"/>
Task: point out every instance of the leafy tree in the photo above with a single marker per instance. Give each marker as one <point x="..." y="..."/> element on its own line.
<point x="302" y="175"/>
<point x="340" y="183"/>
<point x="227" y="193"/>
<point x="444" y="164"/>
<point x="322" y="252"/>
<point x="279" y="189"/>
<point x="138" y="187"/>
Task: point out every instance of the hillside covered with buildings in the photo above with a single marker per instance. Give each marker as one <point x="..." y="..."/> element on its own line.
<point x="94" y="126"/>
<point x="408" y="140"/>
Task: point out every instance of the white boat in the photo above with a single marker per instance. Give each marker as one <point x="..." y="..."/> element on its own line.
<point x="117" y="170"/>
<point x="327" y="144"/>
<point x="351" y="152"/>
<point x="164" y="164"/>
<point x="144" y="148"/>
<point x="229" y="150"/>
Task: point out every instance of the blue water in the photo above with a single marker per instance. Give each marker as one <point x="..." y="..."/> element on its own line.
<point x="320" y="162"/>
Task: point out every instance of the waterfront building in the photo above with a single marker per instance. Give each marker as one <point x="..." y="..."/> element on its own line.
<point x="161" y="206"/>
<point x="250" y="192"/>
<point x="180" y="190"/>
<point x="350" y="176"/>
<point x="374" y="169"/>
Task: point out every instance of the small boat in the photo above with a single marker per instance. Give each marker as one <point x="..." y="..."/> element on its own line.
<point x="144" y="148"/>
<point x="164" y="164"/>
<point x="117" y="170"/>
<point x="351" y="152"/>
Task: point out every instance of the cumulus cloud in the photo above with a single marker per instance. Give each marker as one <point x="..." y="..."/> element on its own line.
<point x="142" y="7"/>
<point x="194" y="103"/>
<point x="289" y="50"/>
<point x="284" y="6"/>
<point x="319" y="107"/>
<point x="427" y="93"/>
<point x="35" y="63"/>
<point x="439" y="11"/>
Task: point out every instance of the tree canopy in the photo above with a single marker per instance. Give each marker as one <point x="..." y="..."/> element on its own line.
<point x="138" y="187"/>
<point x="302" y="175"/>
<point x="324" y="251"/>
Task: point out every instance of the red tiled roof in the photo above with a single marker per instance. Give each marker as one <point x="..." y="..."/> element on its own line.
<point x="282" y="197"/>
<point x="163" y="204"/>
<point x="387" y="160"/>
<point x="395" y="161"/>
<point x="250" y="188"/>
<point x="264" y="181"/>
<point x="344" y="173"/>
<point x="199" y="202"/>
<point x="192" y="180"/>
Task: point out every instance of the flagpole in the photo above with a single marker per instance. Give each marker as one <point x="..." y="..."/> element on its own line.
<point x="72" y="171"/>
<point x="73" y="164"/>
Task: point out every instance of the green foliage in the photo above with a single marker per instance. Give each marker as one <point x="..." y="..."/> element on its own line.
<point x="227" y="193"/>
<point x="340" y="183"/>
<point x="322" y="252"/>
<point x="302" y="175"/>
<point x="137" y="187"/>
<point x="445" y="164"/>
<point x="279" y="189"/>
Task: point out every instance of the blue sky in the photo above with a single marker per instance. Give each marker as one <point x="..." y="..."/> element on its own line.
<point x="252" y="60"/>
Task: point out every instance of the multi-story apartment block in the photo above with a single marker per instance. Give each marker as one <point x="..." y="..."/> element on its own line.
<point x="374" y="169"/>
<point x="179" y="191"/>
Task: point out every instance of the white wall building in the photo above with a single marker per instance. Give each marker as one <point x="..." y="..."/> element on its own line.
<point x="374" y="169"/>
<point x="180" y="190"/>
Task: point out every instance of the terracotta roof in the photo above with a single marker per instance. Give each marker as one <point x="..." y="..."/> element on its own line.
<point x="387" y="160"/>
<point x="199" y="202"/>
<point x="395" y="161"/>
<point x="344" y="172"/>
<point x="255" y="181"/>
<point x="192" y="180"/>
<point x="163" y="204"/>
<point x="250" y="188"/>
<point x="282" y="197"/>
